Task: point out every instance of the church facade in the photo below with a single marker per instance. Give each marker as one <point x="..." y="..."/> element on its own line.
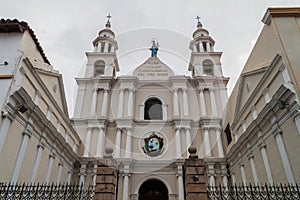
<point x="145" y="122"/>
<point x="151" y="118"/>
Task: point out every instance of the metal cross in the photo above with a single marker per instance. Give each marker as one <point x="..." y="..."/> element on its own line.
<point x="108" y="17"/>
<point x="198" y="18"/>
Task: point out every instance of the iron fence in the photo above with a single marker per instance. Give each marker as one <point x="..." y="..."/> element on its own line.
<point x="255" y="192"/>
<point x="24" y="191"/>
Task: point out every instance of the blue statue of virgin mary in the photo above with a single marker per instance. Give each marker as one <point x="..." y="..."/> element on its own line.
<point x="154" y="48"/>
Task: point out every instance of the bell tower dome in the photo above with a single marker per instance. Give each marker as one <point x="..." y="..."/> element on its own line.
<point x="204" y="60"/>
<point x="103" y="60"/>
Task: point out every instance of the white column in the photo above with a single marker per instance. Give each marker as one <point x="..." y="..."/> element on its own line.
<point x="213" y="102"/>
<point x="69" y="177"/>
<point x="3" y="130"/>
<point x="208" y="47"/>
<point x="94" y="102"/>
<point x="130" y="103"/>
<point x="201" y="47"/>
<point x="180" y="187"/>
<point x="253" y="169"/>
<point x="224" y="97"/>
<point x="118" y="143"/>
<point x="297" y="122"/>
<point x="49" y="169"/>
<point x="244" y="179"/>
<point x="126" y="187"/>
<point x="225" y="180"/>
<point x="104" y="105"/>
<point x="212" y="48"/>
<point x="20" y="157"/>
<point x="100" y="143"/>
<point x="37" y="162"/>
<point x="128" y="143"/>
<point x="60" y="166"/>
<point x="202" y="102"/>
<point x="233" y="179"/>
<point x="121" y="103"/>
<point x="219" y="143"/>
<point x="105" y="47"/>
<point x="224" y="174"/>
<point x="185" y="102"/>
<point x="165" y="116"/>
<point x="264" y="155"/>
<point x="87" y="142"/>
<point x="188" y="138"/>
<point x="175" y="103"/>
<point x="79" y="100"/>
<point x="82" y="173"/>
<point x="95" y="174"/>
<point x="284" y="157"/>
<point x="178" y="143"/>
<point x="212" y="180"/>
<point x="206" y="145"/>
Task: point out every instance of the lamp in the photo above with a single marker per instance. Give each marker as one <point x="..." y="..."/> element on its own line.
<point x="22" y="108"/>
<point x="282" y="104"/>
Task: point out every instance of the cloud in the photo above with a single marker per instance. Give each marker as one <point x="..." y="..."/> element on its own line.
<point x="67" y="28"/>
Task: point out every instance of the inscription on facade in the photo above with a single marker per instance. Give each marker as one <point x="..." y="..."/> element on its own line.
<point x="153" y="69"/>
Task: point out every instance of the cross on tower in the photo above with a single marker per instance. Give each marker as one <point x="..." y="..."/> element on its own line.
<point x="199" y="25"/>
<point x="108" y="17"/>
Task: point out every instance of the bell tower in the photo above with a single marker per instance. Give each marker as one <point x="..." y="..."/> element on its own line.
<point x="204" y="60"/>
<point x="95" y="85"/>
<point x="103" y="60"/>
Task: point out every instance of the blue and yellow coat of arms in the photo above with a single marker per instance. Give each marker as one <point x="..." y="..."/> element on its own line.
<point x="153" y="145"/>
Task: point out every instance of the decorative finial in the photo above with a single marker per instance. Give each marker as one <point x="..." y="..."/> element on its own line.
<point x="154" y="48"/>
<point x="108" y="21"/>
<point x="199" y="24"/>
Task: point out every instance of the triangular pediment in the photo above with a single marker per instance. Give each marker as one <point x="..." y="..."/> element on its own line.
<point x="54" y="83"/>
<point x="153" y="69"/>
<point x="248" y="82"/>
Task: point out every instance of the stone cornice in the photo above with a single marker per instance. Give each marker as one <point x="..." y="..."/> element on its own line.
<point x="280" y="12"/>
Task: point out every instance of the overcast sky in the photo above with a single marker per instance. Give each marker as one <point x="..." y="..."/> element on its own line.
<point x="67" y="28"/>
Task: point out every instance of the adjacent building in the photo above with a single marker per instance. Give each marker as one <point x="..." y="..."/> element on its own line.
<point x="261" y="124"/>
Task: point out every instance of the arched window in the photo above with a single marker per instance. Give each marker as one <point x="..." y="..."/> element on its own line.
<point x="99" y="67"/>
<point x="153" y="109"/>
<point x="208" y="67"/>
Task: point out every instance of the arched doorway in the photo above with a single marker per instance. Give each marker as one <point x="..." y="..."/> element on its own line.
<point x="153" y="189"/>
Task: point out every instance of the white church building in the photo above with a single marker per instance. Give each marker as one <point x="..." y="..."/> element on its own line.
<point x="151" y="118"/>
